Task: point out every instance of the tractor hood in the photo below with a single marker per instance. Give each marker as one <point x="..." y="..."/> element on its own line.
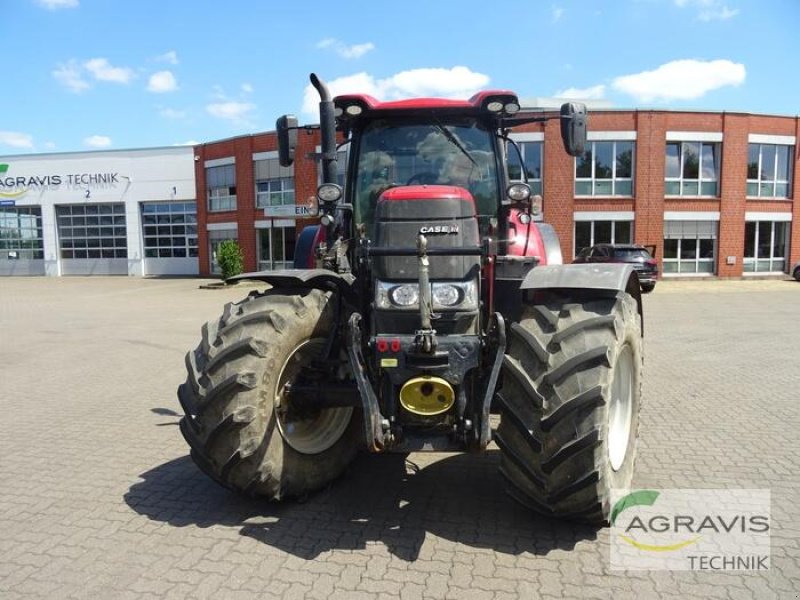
<point x="445" y="215"/>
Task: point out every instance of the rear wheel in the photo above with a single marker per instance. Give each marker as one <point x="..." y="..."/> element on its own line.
<point x="240" y="429"/>
<point x="648" y="287"/>
<point x="796" y="273"/>
<point x="570" y="404"/>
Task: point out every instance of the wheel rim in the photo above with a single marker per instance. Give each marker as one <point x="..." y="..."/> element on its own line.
<point x="620" y="410"/>
<point x="320" y="432"/>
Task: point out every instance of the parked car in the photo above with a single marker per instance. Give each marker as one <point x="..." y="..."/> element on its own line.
<point x="639" y="256"/>
<point x="796" y="271"/>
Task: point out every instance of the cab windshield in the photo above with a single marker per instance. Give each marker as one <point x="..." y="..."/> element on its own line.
<point x="397" y="153"/>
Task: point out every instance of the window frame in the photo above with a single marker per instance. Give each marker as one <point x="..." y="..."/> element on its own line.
<point x="613" y="222"/>
<point x="760" y="182"/>
<point x="534" y="182"/>
<point x="14" y="239"/>
<point x="615" y="181"/>
<point x="278" y="182"/>
<point x="755" y="259"/>
<point x="683" y="181"/>
<point x="697" y="260"/>
<point x="221" y="198"/>
<point x="268" y="263"/>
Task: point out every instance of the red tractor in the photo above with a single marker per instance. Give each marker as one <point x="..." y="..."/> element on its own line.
<point x="427" y="299"/>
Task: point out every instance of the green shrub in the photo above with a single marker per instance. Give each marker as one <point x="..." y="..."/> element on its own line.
<point x="230" y="258"/>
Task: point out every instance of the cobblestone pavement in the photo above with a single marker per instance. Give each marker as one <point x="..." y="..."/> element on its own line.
<point x="98" y="498"/>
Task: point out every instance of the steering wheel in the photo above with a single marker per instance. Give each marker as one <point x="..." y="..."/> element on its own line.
<point x="424" y="178"/>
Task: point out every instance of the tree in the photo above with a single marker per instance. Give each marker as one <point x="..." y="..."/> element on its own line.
<point x="230" y="258"/>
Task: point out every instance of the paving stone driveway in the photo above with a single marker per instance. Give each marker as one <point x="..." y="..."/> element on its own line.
<point x="98" y="499"/>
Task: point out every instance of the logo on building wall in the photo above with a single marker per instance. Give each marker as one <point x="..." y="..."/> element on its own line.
<point x="17" y="186"/>
<point x="17" y="193"/>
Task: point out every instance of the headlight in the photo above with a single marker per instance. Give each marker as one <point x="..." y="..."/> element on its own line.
<point x="329" y="192"/>
<point x="518" y="192"/>
<point x="445" y="294"/>
<point x="452" y="295"/>
<point x="405" y="295"/>
<point x="466" y="292"/>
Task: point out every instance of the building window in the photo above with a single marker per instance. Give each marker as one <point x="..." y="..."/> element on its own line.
<point x="169" y="229"/>
<point x="605" y="169"/>
<point x="692" y="169"/>
<point x="21" y="233"/>
<point x="276" y="248"/>
<point x="92" y="231"/>
<point x="769" y="170"/>
<point x="690" y="247"/>
<point x="765" y="246"/>
<point x="215" y="238"/>
<point x="531" y="159"/>
<point x="589" y="233"/>
<point x="274" y="184"/>
<point x="221" y="185"/>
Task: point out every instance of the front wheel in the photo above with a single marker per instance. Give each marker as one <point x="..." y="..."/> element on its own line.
<point x="648" y="287"/>
<point x="796" y="274"/>
<point x="570" y="404"/>
<point x="238" y="425"/>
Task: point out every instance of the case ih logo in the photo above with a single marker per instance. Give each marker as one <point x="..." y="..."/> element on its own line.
<point x="438" y="229"/>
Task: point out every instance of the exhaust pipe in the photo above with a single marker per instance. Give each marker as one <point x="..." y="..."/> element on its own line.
<point x="327" y="125"/>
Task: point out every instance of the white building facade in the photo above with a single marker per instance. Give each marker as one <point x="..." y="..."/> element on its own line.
<point x="117" y="212"/>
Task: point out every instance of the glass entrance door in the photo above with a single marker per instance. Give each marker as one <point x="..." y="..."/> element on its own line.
<point x="276" y="248"/>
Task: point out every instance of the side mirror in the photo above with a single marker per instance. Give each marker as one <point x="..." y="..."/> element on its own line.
<point x="573" y="127"/>
<point x="286" y="126"/>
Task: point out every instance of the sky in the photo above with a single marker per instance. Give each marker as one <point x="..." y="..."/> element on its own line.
<point x="114" y="74"/>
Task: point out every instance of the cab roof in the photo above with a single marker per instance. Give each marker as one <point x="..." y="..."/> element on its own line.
<point x="369" y="103"/>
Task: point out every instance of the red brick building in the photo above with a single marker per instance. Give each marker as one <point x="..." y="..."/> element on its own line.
<point x="713" y="192"/>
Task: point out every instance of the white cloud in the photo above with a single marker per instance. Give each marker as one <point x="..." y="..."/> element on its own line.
<point x="722" y="13"/>
<point x="15" y="139"/>
<point x="56" y="4"/>
<point x="556" y="12"/>
<point x="356" y="50"/>
<point x="345" y="51"/>
<point x="171" y="113"/>
<point x="709" y="10"/>
<point x="595" y="92"/>
<point x="187" y="143"/>
<point x="102" y="70"/>
<point x="458" y="82"/>
<point x="681" y="80"/>
<point x="162" y="82"/>
<point x="97" y="141"/>
<point x="70" y="76"/>
<point x="247" y="88"/>
<point x="49" y="145"/>
<point x="235" y="112"/>
<point x="170" y="57"/>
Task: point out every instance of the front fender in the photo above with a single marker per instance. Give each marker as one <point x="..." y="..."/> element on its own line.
<point x="614" y="277"/>
<point x="302" y="278"/>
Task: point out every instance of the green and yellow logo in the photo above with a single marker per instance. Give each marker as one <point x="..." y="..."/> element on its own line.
<point x="16" y="194"/>
<point x="644" y="498"/>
